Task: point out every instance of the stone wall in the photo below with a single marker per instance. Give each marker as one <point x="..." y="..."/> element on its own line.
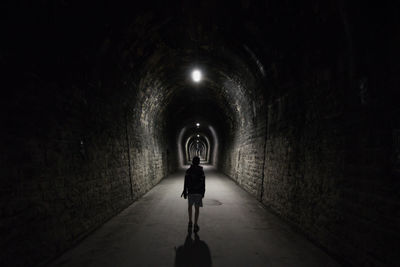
<point x="329" y="127"/>
<point x="242" y="152"/>
<point x="67" y="166"/>
<point x="303" y="97"/>
<point x="329" y="168"/>
<point x="243" y="156"/>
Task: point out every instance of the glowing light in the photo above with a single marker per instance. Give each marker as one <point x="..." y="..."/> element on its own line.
<point x="196" y="76"/>
<point x="198" y="135"/>
<point x="197" y="124"/>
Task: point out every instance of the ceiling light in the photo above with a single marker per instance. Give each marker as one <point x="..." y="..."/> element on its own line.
<point x="196" y="76"/>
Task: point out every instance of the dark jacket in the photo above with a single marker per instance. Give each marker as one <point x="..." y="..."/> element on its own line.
<point x="195" y="181"/>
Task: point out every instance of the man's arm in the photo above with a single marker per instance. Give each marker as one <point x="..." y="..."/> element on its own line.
<point x="184" y="193"/>
<point x="204" y="183"/>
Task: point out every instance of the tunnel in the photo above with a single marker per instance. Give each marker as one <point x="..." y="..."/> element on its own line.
<point x="294" y="102"/>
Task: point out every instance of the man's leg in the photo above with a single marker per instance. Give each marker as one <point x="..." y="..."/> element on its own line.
<point x="190" y="213"/>
<point x="196" y="218"/>
<point x="196" y="214"/>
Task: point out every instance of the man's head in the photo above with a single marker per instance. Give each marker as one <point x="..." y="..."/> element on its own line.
<point x="196" y="160"/>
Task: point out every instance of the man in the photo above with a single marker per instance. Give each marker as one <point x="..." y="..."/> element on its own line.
<point x="194" y="189"/>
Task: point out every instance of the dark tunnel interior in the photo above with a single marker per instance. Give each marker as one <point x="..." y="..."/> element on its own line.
<point x="298" y="103"/>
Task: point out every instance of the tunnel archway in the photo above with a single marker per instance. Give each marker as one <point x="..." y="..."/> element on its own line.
<point x="297" y="100"/>
<point x="197" y="148"/>
<point x="198" y="145"/>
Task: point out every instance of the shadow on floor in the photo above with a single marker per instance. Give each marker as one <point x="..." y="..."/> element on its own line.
<point x="193" y="253"/>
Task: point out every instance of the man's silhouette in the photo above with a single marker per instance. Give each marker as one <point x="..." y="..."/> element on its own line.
<point x="194" y="189"/>
<point x="193" y="253"/>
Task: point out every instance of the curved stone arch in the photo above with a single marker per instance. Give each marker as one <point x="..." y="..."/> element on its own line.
<point x="197" y="148"/>
<point x="205" y="157"/>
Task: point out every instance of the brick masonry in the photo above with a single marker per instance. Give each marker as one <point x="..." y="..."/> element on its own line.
<point x="303" y="98"/>
<point x="326" y="163"/>
<point x="71" y="161"/>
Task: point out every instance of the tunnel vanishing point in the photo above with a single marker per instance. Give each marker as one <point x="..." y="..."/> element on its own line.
<point x="298" y="103"/>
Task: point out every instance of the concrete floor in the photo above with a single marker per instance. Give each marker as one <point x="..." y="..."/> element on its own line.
<point x="235" y="230"/>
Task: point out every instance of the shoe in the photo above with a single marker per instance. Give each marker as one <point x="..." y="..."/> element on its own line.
<point x="196" y="228"/>
<point x="190" y="224"/>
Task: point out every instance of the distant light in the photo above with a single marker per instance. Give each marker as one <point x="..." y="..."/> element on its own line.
<point x="197" y="124"/>
<point x="198" y="135"/>
<point x="197" y="141"/>
<point x="196" y="76"/>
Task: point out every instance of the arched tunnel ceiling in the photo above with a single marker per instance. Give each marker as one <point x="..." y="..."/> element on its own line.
<point x="152" y="50"/>
<point x="147" y="53"/>
<point x="229" y="68"/>
<point x="302" y="97"/>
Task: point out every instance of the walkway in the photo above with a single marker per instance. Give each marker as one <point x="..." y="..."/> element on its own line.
<point x="235" y="230"/>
